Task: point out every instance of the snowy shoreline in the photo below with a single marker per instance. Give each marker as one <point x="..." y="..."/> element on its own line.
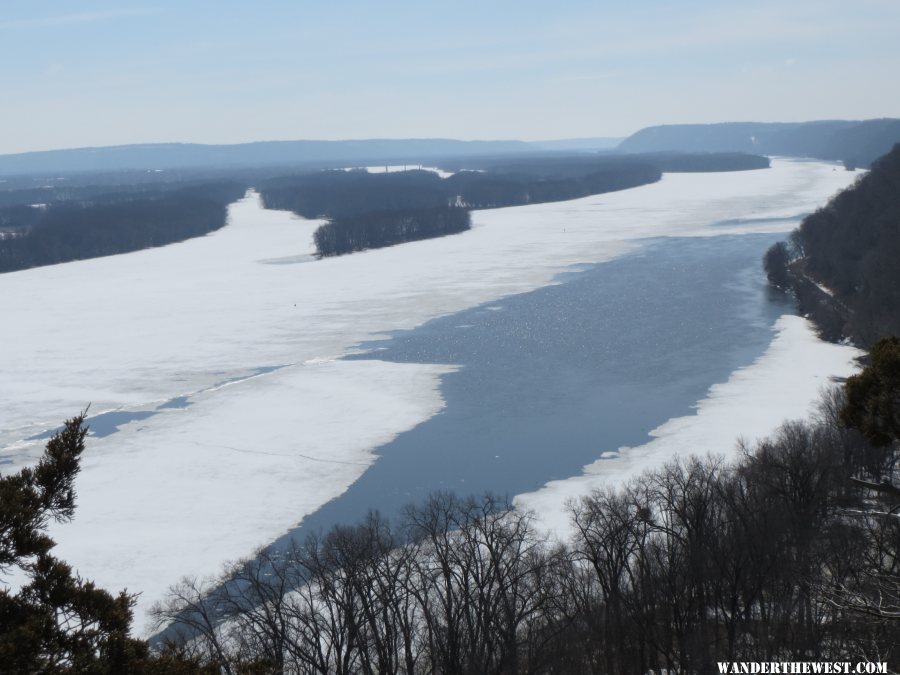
<point x="785" y="383"/>
<point x="190" y="487"/>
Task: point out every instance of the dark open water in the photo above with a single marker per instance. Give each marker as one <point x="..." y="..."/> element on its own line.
<point x="550" y="379"/>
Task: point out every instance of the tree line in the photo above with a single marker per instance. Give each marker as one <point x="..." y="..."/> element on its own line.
<point x="361" y="231"/>
<point x="330" y="194"/>
<point x="779" y="556"/>
<point x="57" y="219"/>
<point x="841" y="263"/>
<point x="495" y="189"/>
<point x="577" y="165"/>
<point x="106" y="223"/>
<point x="694" y="162"/>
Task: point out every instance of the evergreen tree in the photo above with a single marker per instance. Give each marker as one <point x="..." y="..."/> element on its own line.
<point x="58" y="622"/>
<point x="873" y="396"/>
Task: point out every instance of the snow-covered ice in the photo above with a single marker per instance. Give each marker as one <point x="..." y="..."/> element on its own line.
<point x="187" y="488"/>
<point x="238" y="467"/>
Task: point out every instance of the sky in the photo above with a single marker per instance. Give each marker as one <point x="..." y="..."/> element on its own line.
<point x="97" y="73"/>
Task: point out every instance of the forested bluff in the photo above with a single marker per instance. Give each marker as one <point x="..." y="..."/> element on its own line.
<point x="843" y="262"/>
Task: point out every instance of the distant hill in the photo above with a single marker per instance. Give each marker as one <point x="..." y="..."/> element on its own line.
<point x="854" y="143"/>
<point x="724" y="137"/>
<point x="861" y="144"/>
<point x="578" y="144"/>
<point x="266" y="153"/>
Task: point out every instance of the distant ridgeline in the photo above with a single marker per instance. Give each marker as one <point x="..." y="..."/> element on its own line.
<point x="44" y="226"/>
<point x="309" y="154"/>
<point x="856" y="144"/>
<point x="372" y="210"/>
<point x="843" y="262"/>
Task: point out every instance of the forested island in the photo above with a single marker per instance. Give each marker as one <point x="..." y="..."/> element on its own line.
<point x="336" y="193"/>
<point x="75" y="224"/>
<point x="361" y="231"/>
<point x="372" y="210"/>
<point x="842" y="262"/>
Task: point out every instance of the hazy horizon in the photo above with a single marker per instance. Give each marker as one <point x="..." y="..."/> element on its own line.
<point x="409" y="138"/>
<point x="324" y="140"/>
<point x="99" y="74"/>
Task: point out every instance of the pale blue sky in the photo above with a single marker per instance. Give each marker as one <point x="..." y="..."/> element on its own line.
<point x="216" y="71"/>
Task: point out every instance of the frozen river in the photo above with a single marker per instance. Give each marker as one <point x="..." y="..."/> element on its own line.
<point x="226" y="413"/>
